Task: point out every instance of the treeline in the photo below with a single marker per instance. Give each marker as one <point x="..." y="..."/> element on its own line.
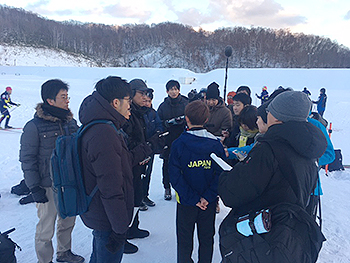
<point x="172" y="45"/>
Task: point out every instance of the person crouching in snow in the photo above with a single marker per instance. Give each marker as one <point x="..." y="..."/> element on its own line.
<point x="194" y="176"/>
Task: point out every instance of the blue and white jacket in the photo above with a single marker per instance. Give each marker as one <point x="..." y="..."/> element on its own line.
<point x="193" y="174"/>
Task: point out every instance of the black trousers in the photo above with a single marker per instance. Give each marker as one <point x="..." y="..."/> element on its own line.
<point x="147" y="179"/>
<point x="165" y="170"/>
<point x="186" y="218"/>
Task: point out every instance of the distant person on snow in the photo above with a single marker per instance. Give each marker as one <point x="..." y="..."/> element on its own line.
<point x="306" y="91"/>
<point x="264" y="96"/>
<point x="321" y="102"/>
<point x="5" y="104"/>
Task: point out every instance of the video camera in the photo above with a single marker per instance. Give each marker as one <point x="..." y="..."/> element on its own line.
<point x="194" y="95"/>
<point x="175" y="121"/>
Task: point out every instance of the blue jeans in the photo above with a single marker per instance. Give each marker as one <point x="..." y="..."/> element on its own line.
<point x="99" y="252"/>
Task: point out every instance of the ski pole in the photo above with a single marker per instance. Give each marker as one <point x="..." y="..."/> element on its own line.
<point x="329" y="133"/>
<point x="9" y="111"/>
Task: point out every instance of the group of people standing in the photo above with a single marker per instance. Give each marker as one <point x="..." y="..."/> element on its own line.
<point x="276" y="136"/>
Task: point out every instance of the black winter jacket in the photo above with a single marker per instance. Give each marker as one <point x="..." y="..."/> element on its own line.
<point x="168" y="109"/>
<point x="260" y="182"/>
<point x="135" y="128"/>
<point x="38" y="141"/>
<point x="107" y="163"/>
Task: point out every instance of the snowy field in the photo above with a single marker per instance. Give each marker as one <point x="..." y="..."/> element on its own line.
<point x="160" y="247"/>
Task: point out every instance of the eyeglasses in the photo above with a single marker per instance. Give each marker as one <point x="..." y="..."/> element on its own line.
<point x="64" y="97"/>
<point x="143" y="93"/>
<point x="129" y="100"/>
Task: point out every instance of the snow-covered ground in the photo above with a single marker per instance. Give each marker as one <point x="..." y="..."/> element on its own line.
<point x="160" y="247"/>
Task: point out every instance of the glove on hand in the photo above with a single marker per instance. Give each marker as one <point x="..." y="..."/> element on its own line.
<point x="157" y="143"/>
<point x="39" y="194"/>
<point x="115" y="242"/>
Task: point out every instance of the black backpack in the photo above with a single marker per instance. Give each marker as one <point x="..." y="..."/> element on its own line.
<point x="337" y="164"/>
<point x="7" y="248"/>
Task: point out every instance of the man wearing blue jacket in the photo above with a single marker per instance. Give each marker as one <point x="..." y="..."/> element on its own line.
<point x="194" y="176"/>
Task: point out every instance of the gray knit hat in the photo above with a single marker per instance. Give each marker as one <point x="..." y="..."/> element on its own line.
<point x="290" y="106"/>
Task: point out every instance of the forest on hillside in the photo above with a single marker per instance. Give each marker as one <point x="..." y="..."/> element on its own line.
<point x="172" y="45"/>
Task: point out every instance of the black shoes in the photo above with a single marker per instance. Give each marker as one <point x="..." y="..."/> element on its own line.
<point x="130" y="248"/>
<point x="148" y="201"/>
<point x="69" y="257"/>
<point x="143" y="207"/>
<point x="167" y="194"/>
<point x="138" y="233"/>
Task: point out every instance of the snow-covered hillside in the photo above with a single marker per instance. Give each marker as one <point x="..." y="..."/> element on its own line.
<point x="160" y="247"/>
<point x="30" y="56"/>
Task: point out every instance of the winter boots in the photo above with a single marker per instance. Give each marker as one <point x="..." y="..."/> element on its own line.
<point x="70" y="257"/>
<point x="167" y="194"/>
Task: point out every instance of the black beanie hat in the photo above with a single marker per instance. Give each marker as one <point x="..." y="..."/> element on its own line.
<point x="213" y="91"/>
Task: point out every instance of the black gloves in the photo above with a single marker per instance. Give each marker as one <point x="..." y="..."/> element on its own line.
<point x="115" y="242"/>
<point x="157" y="142"/>
<point x="39" y="194"/>
<point x="26" y="200"/>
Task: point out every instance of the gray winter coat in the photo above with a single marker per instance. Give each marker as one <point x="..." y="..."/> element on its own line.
<point x="38" y="141"/>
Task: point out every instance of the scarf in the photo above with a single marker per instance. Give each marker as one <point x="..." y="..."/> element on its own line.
<point x="60" y="113"/>
<point x="245" y="135"/>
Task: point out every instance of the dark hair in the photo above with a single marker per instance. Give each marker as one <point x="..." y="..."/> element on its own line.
<point x="276" y="92"/>
<point x="248" y="116"/>
<point x="51" y="88"/>
<point x="242" y="97"/>
<point x="197" y="112"/>
<point x="150" y="94"/>
<point x="172" y="83"/>
<point x="112" y="88"/>
<point x="244" y="88"/>
<point x="323" y="90"/>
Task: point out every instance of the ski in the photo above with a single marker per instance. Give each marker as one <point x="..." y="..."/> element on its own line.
<point x="13" y="130"/>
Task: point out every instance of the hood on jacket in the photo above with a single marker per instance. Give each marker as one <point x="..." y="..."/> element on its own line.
<point x="305" y="138"/>
<point x="194" y="140"/>
<point x="40" y="113"/>
<point x="95" y="107"/>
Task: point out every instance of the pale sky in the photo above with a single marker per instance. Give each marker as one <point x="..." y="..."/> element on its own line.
<point x="329" y="18"/>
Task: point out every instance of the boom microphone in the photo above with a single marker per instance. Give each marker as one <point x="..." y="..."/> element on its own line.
<point x="228" y="51"/>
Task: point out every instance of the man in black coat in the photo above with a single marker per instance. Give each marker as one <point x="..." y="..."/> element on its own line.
<point x="171" y="111"/>
<point x="107" y="162"/>
<point x="135" y="128"/>
<point x="279" y="174"/>
<point x="52" y="118"/>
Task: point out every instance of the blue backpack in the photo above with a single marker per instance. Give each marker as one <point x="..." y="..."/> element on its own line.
<point x="66" y="173"/>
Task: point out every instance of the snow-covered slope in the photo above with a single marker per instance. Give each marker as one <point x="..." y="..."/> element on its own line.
<point x="30" y="56"/>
